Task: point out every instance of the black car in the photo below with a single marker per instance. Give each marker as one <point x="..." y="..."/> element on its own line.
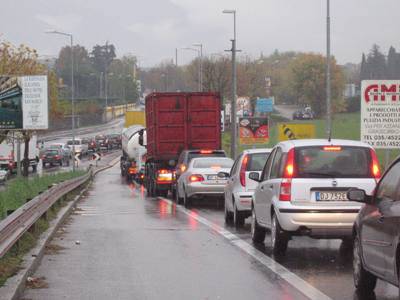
<point x="376" y="252"/>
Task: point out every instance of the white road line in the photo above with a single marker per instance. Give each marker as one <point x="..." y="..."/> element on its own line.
<point x="294" y="280"/>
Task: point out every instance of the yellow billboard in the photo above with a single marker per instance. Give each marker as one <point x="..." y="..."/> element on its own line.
<point x="295" y="131"/>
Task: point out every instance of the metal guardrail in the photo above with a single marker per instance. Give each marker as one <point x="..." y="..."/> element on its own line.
<point x="17" y="223"/>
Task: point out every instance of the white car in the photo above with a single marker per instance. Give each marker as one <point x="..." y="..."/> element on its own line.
<point x="81" y="146"/>
<point x="4" y="175"/>
<point x="201" y="179"/>
<point x="302" y="190"/>
<point x="239" y="188"/>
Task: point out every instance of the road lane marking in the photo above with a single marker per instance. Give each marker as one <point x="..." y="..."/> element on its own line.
<point x="301" y="285"/>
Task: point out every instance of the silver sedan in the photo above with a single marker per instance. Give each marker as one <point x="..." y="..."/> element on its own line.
<point x="201" y="179"/>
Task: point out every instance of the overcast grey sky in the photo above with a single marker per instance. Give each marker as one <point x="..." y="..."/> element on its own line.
<point x="152" y="29"/>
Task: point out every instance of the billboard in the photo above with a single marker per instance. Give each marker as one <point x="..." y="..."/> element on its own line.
<point x="23" y="102"/>
<point x="265" y="105"/>
<point x="295" y="131"/>
<point x="253" y="131"/>
<point x="380" y="113"/>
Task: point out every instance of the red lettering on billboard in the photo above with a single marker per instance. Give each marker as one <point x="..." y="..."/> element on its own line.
<point x="375" y="90"/>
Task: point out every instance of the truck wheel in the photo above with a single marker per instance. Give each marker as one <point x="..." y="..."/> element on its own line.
<point x="279" y="238"/>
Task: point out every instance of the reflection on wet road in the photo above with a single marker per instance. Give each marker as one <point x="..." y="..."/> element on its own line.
<point x="133" y="247"/>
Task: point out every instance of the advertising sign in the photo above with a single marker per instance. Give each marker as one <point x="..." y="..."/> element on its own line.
<point x="253" y="131"/>
<point x="380" y="113"/>
<point x="293" y="131"/>
<point x="265" y="105"/>
<point x="23" y="102"/>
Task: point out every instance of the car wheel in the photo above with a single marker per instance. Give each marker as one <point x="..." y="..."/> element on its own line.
<point x="238" y="218"/>
<point x="279" y="239"/>
<point x="186" y="200"/>
<point x="227" y="214"/>
<point x="364" y="281"/>
<point x="257" y="232"/>
<point x="178" y="198"/>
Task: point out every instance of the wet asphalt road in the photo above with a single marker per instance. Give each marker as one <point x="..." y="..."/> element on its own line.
<point x="133" y="247"/>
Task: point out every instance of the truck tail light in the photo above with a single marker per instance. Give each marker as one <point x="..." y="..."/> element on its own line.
<point x="243" y="168"/>
<point x="164" y="176"/>
<point x="285" y="193"/>
<point x="375" y="170"/>
<point x="196" y="178"/>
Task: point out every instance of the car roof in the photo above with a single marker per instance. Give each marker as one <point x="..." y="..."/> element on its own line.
<point x="259" y="150"/>
<point x="321" y="142"/>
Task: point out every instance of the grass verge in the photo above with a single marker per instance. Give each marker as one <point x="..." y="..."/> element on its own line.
<point x="21" y="190"/>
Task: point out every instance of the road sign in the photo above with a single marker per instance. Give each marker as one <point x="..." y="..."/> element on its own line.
<point x="265" y="105"/>
<point x="380" y="113"/>
<point x="96" y="156"/>
<point x="23" y="102"/>
<point x="253" y="131"/>
<point x="295" y="131"/>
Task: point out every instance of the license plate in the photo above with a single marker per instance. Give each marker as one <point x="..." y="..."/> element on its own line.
<point x="212" y="177"/>
<point x="331" y="196"/>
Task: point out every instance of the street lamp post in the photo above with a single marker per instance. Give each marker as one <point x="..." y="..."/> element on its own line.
<point x="201" y="64"/>
<point x="198" y="54"/>
<point x="72" y="88"/>
<point x="233" y="103"/>
<point x="328" y="71"/>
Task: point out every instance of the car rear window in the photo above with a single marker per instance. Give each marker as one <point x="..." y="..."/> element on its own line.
<point x="213" y="163"/>
<point x="257" y="161"/>
<point x="332" y="161"/>
<point x="52" y="152"/>
<point x="192" y="155"/>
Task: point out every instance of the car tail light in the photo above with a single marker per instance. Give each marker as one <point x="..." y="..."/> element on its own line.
<point x="196" y="178"/>
<point x="289" y="170"/>
<point x="164" y="176"/>
<point x="141" y="176"/>
<point x="183" y="168"/>
<point x="132" y="170"/>
<point x="285" y="193"/>
<point x="375" y="170"/>
<point x="57" y="157"/>
<point x="11" y="165"/>
<point x="243" y="168"/>
<point x="206" y="151"/>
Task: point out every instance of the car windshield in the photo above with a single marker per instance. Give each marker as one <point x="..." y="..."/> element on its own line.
<point x="333" y="161"/>
<point x="212" y="163"/>
<point x="257" y="161"/>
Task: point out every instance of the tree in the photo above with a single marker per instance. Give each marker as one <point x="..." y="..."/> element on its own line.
<point x="309" y="86"/>
<point x="393" y="64"/>
<point x="376" y="63"/>
<point x="23" y="60"/>
<point x="364" y="69"/>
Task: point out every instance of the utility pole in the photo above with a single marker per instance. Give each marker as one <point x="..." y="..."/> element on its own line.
<point x="176" y="57"/>
<point x="233" y="103"/>
<point x="200" y="45"/>
<point x="328" y="71"/>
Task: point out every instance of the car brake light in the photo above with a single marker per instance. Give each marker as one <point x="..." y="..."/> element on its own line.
<point x="285" y="193"/>
<point x="206" y="151"/>
<point x="375" y="170"/>
<point x="332" y="148"/>
<point x="183" y="168"/>
<point x="132" y="170"/>
<point x="289" y="166"/>
<point x="243" y="168"/>
<point x="196" y="178"/>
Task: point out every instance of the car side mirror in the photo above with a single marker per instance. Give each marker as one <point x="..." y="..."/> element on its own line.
<point x="223" y="175"/>
<point x="357" y="195"/>
<point x="254" y="176"/>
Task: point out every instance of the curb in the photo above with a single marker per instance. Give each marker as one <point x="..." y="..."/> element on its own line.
<point x="15" y="285"/>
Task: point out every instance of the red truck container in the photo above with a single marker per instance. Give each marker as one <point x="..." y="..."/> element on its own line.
<point x="176" y="122"/>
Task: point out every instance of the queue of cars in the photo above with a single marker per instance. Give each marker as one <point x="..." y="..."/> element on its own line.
<point x="324" y="189"/>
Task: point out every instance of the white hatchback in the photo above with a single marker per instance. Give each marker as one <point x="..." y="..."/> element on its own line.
<point x="239" y="189"/>
<point x="302" y="190"/>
